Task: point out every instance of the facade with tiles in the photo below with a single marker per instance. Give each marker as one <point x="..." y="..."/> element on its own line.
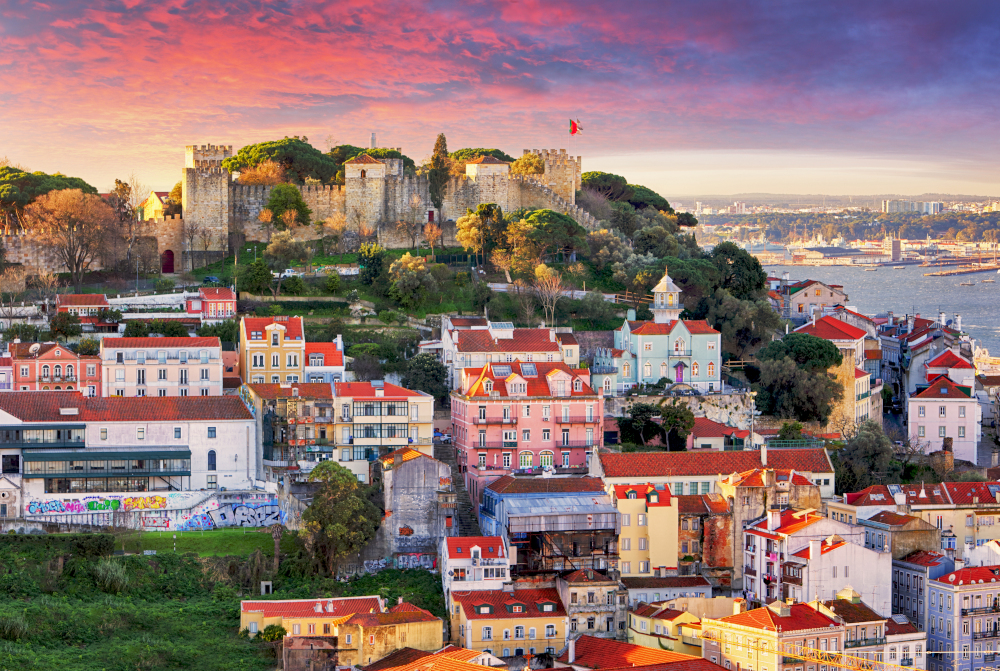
<point x="272" y="349"/>
<point x="910" y="578"/>
<point x="682" y="351"/>
<point x="963" y="619"/>
<point x="522" y="417"/>
<point x="133" y="367"/>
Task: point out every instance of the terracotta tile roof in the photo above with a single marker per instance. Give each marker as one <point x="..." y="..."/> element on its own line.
<point x="990" y="380"/>
<point x="307" y="607"/>
<point x="823" y="549"/>
<point x="791" y="522"/>
<point x="666" y="582"/>
<point x="489" y="160"/>
<point x="364" y="158"/>
<point x="457" y="653"/>
<point x="663" y="496"/>
<point x="584" y="576"/>
<point x="692" y="664"/>
<point x="331" y="355"/>
<point x="469" y="321"/>
<point x="755" y="478"/>
<point x="689" y="504"/>
<point x="801" y="616"/>
<point x="894" y="628"/>
<point x="392" y="617"/>
<point x="509" y="484"/>
<point x="853" y="613"/>
<point x="360" y="390"/>
<point x="943" y="388"/>
<point x="948" y="359"/>
<point x="461" y="546"/>
<point x="699" y="326"/>
<point x="567" y="339"/>
<point x="969" y="493"/>
<point x="293" y="326"/>
<point x="311" y="390"/>
<point x="403" y="454"/>
<point x="603" y="653"/>
<point x="524" y="340"/>
<point x="531" y="601"/>
<point x="924" y="558"/>
<point x="829" y="328"/>
<point x="858" y="373"/>
<point x="126" y="343"/>
<point x="671" y="464"/>
<point x="45" y="406"/>
<point x="536" y="384"/>
<point x="891" y="519"/>
<point x="21" y="350"/>
<point x="86" y="300"/>
<point x="966" y="576"/>
<point x="707" y="428"/>
<point x="400" y="657"/>
<point x="217" y="293"/>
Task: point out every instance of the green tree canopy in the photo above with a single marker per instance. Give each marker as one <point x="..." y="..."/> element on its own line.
<point x="639" y="426"/>
<point x="612" y="187"/>
<point x="744" y="325"/>
<point x="383" y="152"/>
<point x="299" y="158"/>
<point x="546" y="232"/>
<point x="286" y="197"/>
<point x="643" y="197"/>
<point x="227" y="331"/>
<point x="170" y="328"/>
<point x="88" y="346"/>
<point x="412" y="281"/>
<point x="741" y="273"/>
<point x="425" y="373"/>
<point x="807" y="351"/>
<point x="257" y="278"/>
<point x="437" y="176"/>
<point x="790" y="431"/>
<point x="787" y="390"/>
<point x="136" y="329"/>
<point x="482" y="231"/>
<point x="468" y="154"/>
<point x="340" y="520"/>
<point x="676" y="423"/>
<point x="867" y="459"/>
<point x="18" y="187"/>
<point x="371" y="258"/>
<point x="65" y="324"/>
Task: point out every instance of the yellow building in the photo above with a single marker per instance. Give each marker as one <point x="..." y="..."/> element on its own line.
<point x="654" y="625"/>
<point x="272" y="349"/>
<point x="362" y="630"/>
<point x="509" y="622"/>
<point x="642" y="508"/>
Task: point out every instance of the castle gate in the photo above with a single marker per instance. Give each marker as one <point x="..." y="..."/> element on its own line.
<point x="167" y="262"/>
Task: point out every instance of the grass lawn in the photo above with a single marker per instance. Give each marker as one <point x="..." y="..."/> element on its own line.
<point x="217" y="542"/>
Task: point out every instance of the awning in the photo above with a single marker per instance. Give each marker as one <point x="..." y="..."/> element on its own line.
<point x="106" y="456"/>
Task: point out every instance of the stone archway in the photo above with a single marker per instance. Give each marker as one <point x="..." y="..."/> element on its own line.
<point x="167" y="262"/>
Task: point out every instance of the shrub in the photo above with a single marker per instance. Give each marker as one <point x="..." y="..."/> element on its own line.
<point x="461" y="279"/>
<point x="110" y="576"/>
<point x="294" y="286"/>
<point x="163" y="285"/>
<point x="12" y="628"/>
<point x="333" y="283"/>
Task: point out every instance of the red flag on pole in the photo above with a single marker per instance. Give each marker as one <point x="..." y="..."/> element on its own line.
<point x="575" y="127"/>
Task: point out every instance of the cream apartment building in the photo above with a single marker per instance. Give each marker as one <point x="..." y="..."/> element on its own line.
<point x="134" y="367"/>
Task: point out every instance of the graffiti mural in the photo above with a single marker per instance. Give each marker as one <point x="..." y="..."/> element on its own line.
<point x="246" y="516"/>
<point x="405" y="531"/>
<point x="375" y="565"/>
<point x="155" y="523"/>
<point x="416" y="560"/>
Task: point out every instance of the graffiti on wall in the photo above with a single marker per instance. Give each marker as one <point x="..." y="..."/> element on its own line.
<point x="375" y="565"/>
<point x="155" y="523"/>
<point x="235" y="515"/>
<point x="405" y="531"/>
<point x="416" y="560"/>
<point x="112" y="502"/>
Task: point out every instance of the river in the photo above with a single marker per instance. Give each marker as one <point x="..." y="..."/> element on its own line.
<point x="907" y="291"/>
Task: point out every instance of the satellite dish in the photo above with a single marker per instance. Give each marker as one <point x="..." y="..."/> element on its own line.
<point x="34" y="349"/>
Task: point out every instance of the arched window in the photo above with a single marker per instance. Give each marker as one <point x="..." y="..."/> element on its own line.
<point x="670" y="299"/>
<point x="679" y="345"/>
<point x="625" y="369"/>
<point x="58" y="370"/>
<point x="663" y="369"/>
<point x="211" y="460"/>
<point x="694" y="369"/>
<point x="577" y="385"/>
<point x="526" y="460"/>
<point x="519" y="631"/>
<point x="550" y="630"/>
<point x="69" y="387"/>
<point x="45" y="371"/>
<point x="607" y="385"/>
<point x="69" y="370"/>
<point x="546" y="458"/>
<point x="711" y="369"/>
<point x="58" y="387"/>
<point x="630" y="494"/>
<point x="364" y="173"/>
<point x="647" y="370"/>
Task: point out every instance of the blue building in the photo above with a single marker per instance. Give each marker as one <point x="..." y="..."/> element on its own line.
<point x="682" y="351"/>
<point x="963" y="619"/>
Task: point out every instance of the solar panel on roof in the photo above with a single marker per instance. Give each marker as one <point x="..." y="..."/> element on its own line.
<point x="502" y="325"/>
<point x="528" y="369"/>
<point x="501" y="371"/>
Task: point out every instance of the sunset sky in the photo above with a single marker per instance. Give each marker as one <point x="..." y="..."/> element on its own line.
<point x="686" y="97"/>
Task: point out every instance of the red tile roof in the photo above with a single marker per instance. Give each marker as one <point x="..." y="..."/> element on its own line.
<point x="270" y="391"/>
<point x="669" y="464"/>
<point x="791" y="522"/>
<point x="331" y="355"/>
<point x="968" y="493"/>
<point x="943" y="388"/>
<point x="666" y="582"/>
<point x="853" y="613"/>
<point x="126" y="343"/>
<point x="217" y="294"/>
<point x="948" y="359"/>
<point x="307" y="607"/>
<point x="524" y="340"/>
<point x="489" y="546"/>
<point x="873" y="354"/>
<point x="44" y="406"/>
<point x="567" y="339"/>
<point x="823" y="549"/>
<point x="858" y="373"/>
<point x="84" y="300"/>
<point x="643" y="492"/>
<point x="699" y="326"/>
<point x="604" y="653"/>
<point x="293" y="326"/>
<point x="707" y="428"/>
<point x="536" y="385"/>
<point x="366" y="390"/>
<point x="394" y="616"/>
<point x="364" y="158"/>
<point x="700" y="504"/>
<point x="400" y="657"/>
<point x="924" y="558"/>
<point x="469" y="321"/>
<point x="530" y="599"/>
<point x="508" y="484"/>
<point x="829" y="328"/>
<point x="402" y="455"/>
<point x="966" y="576"/>
<point x="891" y="519"/>
<point x="490" y="160"/>
<point x="801" y="616"/>
<point x="581" y="575"/>
<point x="692" y="664"/>
<point x="893" y="628"/>
<point x="755" y="478"/>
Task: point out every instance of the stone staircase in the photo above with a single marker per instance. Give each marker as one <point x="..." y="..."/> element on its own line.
<point x="468" y="521"/>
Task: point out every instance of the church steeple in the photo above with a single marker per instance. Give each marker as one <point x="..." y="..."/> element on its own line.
<point x="666" y="301"/>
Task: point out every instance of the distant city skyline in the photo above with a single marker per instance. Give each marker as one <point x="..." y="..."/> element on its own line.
<point x="686" y="98"/>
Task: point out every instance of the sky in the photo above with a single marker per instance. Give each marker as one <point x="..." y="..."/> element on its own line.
<point x="698" y="97"/>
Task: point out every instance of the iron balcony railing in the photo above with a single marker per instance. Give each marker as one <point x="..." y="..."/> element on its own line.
<point x="989" y="633"/>
<point x="577" y="443"/>
<point x="749" y="570"/>
<point x="864" y="642"/>
<point x="494" y="420"/>
<point x="984" y="610"/>
<point x="680" y="352"/>
<point x="906" y="661"/>
<point x="604" y="370"/>
<point x="576" y="419"/>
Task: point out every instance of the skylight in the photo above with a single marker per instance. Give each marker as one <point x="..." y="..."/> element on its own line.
<point x="501" y="371"/>
<point x="528" y="369"/>
<point x="502" y="325"/>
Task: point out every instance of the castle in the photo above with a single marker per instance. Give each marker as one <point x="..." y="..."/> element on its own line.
<point x="376" y="194"/>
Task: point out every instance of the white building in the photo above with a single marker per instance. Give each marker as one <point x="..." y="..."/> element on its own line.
<point x="946" y="410"/>
<point x="161" y="367"/>
<point x="470" y="563"/>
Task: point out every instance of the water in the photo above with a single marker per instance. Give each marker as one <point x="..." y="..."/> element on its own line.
<point x="907" y="291"/>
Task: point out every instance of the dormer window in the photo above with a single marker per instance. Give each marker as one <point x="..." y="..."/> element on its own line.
<point x="488" y="387"/>
<point x="577" y="385"/>
<point x="274" y="339"/>
<point x="517" y="609"/>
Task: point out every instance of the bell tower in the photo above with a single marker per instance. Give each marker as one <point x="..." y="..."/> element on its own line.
<point x="666" y="301"/>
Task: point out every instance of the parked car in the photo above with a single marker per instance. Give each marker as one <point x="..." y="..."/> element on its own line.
<point x="286" y="273"/>
<point x="211" y="279"/>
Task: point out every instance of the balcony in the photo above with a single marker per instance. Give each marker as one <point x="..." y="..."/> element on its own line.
<point x="906" y="661"/>
<point x="791" y="580"/>
<point x="604" y="370"/>
<point x="990" y="657"/>
<point x="985" y="610"/>
<point x="864" y="642"/>
<point x="578" y="443"/>
<point x="494" y="420"/>
<point x="577" y="419"/>
<point x="277" y="463"/>
<point x="677" y="353"/>
<point x="791" y="660"/>
<point x="747" y="570"/>
<point x="989" y="633"/>
<point x="496" y="444"/>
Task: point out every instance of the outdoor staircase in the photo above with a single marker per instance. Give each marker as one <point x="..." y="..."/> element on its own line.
<point x="468" y="520"/>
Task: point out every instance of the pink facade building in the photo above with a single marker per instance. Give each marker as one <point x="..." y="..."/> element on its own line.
<point x="522" y="416"/>
<point x="212" y="304"/>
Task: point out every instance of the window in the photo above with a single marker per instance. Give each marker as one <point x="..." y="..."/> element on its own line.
<point x="253" y="627"/>
<point x="204" y="373"/>
<point x="626" y="567"/>
<point x="647" y="370"/>
<point x="212" y="483"/>
<point x="104" y="433"/>
<point x="211" y="459"/>
<point x="183" y="376"/>
<point x="204" y="392"/>
<point x="644" y="567"/>
<point x="961" y="432"/>
<point x="642" y="519"/>
<point x="177" y="433"/>
<point x="921" y="411"/>
<point x="942" y="411"/>
<point x="526" y="435"/>
<point x="941" y="432"/>
<point x="921" y="432"/>
<point x="275" y="361"/>
<point x="274" y="339"/>
<point x="140" y="434"/>
<point x="211" y="432"/>
<point x="711" y="366"/>
<point x="526" y="460"/>
<point x="349" y="637"/>
<point x="518" y="630"/>
<point x="642" y="543"/>
<point x="626" y="543"/>
<point x="258" y="361"/>
<point x="626" y="519"/>
<point x="550" y="631"/>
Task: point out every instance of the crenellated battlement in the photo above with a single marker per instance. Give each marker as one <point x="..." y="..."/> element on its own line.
<point x="206" y="155"/>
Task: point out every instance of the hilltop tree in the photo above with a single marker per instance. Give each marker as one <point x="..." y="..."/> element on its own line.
<point x="639" y="427"/>
<point x="528" y="164"/>
<point x="741" y="274"/>
<point x="285" y="198"/>
<point x="280" y="253"/>
<point x="299" y="159"/>
<point x="18" y="188"/>
<point x="267" y="173"/>
<point x="676" y="422"/>
<point x="613" y="187"/>
<point x="807" y="351"/>
<point x="340" y="520"/>
<point x="643" y="197"/>
<point x="469" y="154"/>
<point x="371" y="258"/>
<point x="64" y="324"/>
<point x="437" y="176"/>
<point x="412" y="281"/>
<point x="481" y="231"/>
<point x="425" y="373"/>
<point x="867" y="459"/>
<point x="787" y="390"/>
<point x="73" y="224"/>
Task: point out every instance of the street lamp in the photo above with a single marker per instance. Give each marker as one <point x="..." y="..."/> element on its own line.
<point x="254" y="253"/>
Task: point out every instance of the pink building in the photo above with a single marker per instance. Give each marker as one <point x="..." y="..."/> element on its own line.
<point x="213" y="304"/>
<point x="524" y="416"/>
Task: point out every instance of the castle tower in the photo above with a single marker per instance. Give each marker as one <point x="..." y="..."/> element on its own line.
<point x="365" y="181"/>
<point x="563" y="173"/>
<point x="205" y="191"/>
<point x="666" y="301"/>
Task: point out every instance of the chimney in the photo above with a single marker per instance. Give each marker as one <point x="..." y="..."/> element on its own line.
<point x="815" y="549"/>
<point x="942" y="319"/>
<point x="318" y="608"/>
<point x="763" y="454"/>
<point x="909" y="323"/>
<point x="958" y="322"/>
<point x="329" y="606"/>
<point x="773" y="519"/>
<point x="572" y="650"/>
<point x="399" y="601"/>
<point x="630" y="314"/>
